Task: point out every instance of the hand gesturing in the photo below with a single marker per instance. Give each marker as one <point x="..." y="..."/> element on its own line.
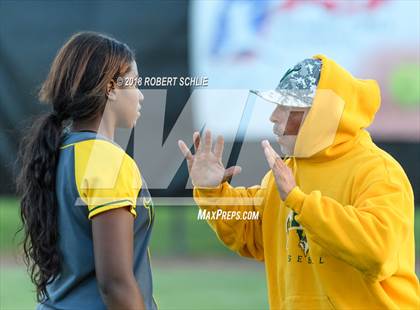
<point x="205" y="166"/>
<point x="283" y="175"/>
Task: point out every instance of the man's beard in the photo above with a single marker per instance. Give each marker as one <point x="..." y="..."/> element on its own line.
<point x="287" y="145"/>
<point x="285" y="150"/>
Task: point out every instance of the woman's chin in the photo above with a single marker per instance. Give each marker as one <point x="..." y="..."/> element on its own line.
<point x="132" y="123"/>
<point x="137" y="118"/>
<point x="128" y="124"/>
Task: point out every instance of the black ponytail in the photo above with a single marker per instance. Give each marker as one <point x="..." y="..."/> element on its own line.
<point x="76" y="87"/>
<point x="38" y="159"/>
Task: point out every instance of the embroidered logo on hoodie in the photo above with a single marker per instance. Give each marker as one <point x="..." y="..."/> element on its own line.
<point x="292" y="224"/>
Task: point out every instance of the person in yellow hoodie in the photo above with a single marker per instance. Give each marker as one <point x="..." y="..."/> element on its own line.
<point x="336" y="217"/>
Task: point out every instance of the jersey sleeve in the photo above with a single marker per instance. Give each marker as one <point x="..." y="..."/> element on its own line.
<point x="106" y="177"/>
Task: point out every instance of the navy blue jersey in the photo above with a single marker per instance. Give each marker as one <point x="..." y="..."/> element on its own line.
<point x="94" y="175"/>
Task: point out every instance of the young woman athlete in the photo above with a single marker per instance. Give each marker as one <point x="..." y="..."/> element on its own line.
<point x="87" y="215"/>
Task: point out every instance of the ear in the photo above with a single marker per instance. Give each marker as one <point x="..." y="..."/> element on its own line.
<point x="110" y="91"/>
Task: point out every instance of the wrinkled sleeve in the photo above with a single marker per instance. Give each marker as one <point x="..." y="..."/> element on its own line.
<point x="243" y="236"/>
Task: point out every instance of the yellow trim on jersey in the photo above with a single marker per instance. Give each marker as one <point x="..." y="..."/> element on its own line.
<point x="106" y="177"/>
<point x="124" y="203"/>
<point x="66" y="146"/>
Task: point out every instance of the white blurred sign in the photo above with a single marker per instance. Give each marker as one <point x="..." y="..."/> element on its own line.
<point x="250" y="44"/>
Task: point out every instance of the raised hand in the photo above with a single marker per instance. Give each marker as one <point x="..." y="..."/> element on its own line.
<point x="205" y="166"/>
<point x="283" y="175"/>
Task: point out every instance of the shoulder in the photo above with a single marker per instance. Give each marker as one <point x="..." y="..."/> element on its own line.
<point x="104" y="160"/>
<point x="379" y="161"/>
<point x="376" y="165"/>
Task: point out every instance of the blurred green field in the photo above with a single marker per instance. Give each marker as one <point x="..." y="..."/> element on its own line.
<point x="176" y="232"/>
<point x="191" y="269"/>
<point x="198" y="273"/>
<point x="217" y="285"/>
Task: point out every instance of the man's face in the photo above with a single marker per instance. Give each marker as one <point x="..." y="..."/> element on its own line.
<point x="287" y="122"/>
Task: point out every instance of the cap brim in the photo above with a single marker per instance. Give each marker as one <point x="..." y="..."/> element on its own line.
<point x="283" y="99"/>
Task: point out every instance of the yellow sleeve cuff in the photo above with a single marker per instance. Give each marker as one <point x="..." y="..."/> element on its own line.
<point x="207" y="191"/>
<point x="294" y="199"/>
<point x="113" y="205"/>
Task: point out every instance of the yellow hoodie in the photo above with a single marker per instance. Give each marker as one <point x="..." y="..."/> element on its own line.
<point x="344" y="236"/>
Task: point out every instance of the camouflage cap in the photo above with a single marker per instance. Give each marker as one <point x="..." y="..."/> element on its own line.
<point x="297" y="87"/>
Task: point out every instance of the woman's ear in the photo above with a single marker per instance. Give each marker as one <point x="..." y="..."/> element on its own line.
<point x="110" y="91"/>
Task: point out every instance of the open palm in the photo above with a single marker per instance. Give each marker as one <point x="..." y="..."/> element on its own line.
<point x="205" y="166"/>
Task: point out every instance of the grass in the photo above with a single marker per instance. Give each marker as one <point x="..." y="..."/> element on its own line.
<point x="191" y="269"/>
<point x="9" y="223"/>
<point x="16" y="291"/>
<point x="177" y="286"/>
<point x="176" y="232"/>
<point x="210" y="287"/>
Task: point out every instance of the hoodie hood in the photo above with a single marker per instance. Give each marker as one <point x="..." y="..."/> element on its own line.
<point x="342" y="108"/>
